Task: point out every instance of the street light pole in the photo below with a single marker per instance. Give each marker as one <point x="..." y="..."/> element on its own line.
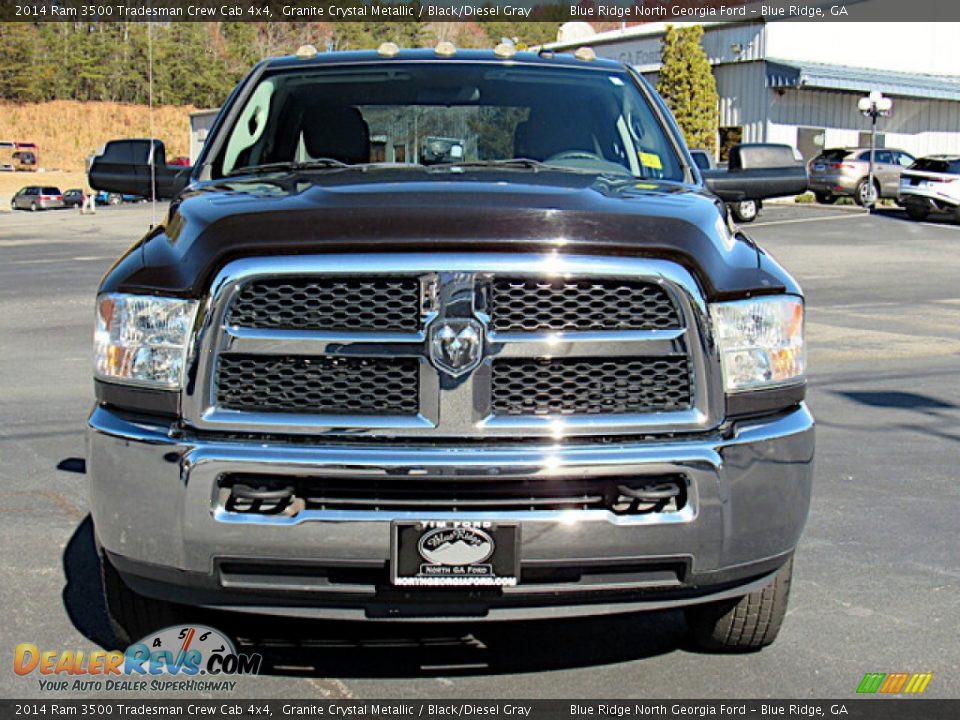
<point x="873" y="106"/>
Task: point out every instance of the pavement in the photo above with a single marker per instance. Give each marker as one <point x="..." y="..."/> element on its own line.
<point x="877" y="575"/>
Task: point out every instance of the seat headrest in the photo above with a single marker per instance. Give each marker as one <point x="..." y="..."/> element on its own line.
<point x="547" y="134"/>
<point x="339" y="133"/>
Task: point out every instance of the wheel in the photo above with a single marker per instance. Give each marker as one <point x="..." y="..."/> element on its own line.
<point x="13" y="205"/>
<point x="825" y="198"/>
<point x="33" y="207"/>
<point x="114" y="200"/>
<point x="742" y="624"/>
<point x="745" y="211"/>
<point x="133" y="616"/>
<point x="917" y="212"/>
<point x="861" y="195"/>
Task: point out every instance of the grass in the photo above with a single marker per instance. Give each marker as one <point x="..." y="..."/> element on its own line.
<point x="68" y="131"/>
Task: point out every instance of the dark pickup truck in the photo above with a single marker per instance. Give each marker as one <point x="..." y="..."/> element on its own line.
<point x="546" y="376"/>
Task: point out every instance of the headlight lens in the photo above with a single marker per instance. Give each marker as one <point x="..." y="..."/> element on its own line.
<point x="761" y="342"/>
<point x="142" y="340"/>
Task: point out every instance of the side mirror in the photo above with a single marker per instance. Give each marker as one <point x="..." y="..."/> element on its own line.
<point x="135" y="167"/>
<point x="757" y="171"/>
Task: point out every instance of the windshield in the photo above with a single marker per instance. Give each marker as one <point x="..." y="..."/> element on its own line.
<point x="450" y="113"/>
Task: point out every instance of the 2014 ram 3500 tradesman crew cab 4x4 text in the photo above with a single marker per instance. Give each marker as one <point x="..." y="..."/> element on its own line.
<point x="538" y="374"/>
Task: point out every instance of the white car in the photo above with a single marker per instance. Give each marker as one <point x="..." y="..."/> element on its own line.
<point x="932" y="184"/>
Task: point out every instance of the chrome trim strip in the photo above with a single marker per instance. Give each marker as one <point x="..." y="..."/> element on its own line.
<point x="455" y="407"/>
<point x="562" y="517"/>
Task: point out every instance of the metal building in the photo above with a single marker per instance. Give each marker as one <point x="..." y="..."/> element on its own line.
<point x="799" y="82"/>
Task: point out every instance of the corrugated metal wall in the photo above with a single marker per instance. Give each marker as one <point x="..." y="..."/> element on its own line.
<point x="738" y="50"/>
<point x="921" y="127"/>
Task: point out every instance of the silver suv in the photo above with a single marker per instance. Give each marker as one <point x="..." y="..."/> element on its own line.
<point x="845" y="171"/>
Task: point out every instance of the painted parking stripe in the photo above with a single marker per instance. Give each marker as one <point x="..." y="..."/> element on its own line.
<point x="845" y="216"/>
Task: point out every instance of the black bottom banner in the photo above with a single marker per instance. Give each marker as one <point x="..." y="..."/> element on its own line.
<point x="898" y="709"/>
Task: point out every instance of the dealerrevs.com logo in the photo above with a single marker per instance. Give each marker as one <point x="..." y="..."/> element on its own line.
<point x="169" y="660"/>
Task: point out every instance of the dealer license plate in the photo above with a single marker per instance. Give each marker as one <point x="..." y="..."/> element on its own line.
<point x="444" y="553"/>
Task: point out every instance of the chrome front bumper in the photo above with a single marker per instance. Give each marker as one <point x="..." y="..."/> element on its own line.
<point x="155" y="505"/>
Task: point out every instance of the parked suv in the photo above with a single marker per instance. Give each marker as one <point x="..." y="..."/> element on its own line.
<point x="36" y="197"/>
<point x="846" y="171"/>
<point x="542" y="379"/>
<point x="932" y="184"/>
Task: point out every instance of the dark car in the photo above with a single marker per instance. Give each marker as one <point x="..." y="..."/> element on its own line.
<point x="73" y="198"/>
<point x="37" y="197"/>
<point x="542" y="378"/>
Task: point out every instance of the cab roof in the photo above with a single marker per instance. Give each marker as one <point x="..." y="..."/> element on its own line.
<point x="545" y="58"/>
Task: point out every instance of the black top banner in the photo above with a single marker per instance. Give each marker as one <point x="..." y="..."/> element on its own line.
<point x="489" y="709"/>
<point x="592" y="11"/>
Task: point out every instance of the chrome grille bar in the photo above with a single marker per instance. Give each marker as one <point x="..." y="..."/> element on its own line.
<point x="455" y="286"/>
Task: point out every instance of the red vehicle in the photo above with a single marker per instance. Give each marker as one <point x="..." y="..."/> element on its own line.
<point x="180" y="161"/>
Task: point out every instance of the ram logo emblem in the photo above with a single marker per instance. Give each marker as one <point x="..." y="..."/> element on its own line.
<point x="455" y="345"/>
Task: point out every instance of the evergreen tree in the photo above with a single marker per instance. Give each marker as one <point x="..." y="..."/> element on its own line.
<point x="688" y="86"/>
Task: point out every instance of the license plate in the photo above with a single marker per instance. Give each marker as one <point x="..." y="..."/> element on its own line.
<point x="454" y="553"/>
<point x="819" y="167"/>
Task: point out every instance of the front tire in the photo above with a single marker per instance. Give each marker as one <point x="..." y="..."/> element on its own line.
<point x="133" y="616"/>
<point x="743" y="624"/>
<point x="745" y="211"/>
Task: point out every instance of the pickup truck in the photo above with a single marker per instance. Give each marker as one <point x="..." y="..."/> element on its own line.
<point x="548" y="378"/>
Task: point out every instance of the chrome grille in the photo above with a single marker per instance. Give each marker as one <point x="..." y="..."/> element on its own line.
<point x="530" y="304"/>
<point x="331" y="386"/>
<point x="329" y="304"/>
<point x="286" y="366"/>
<point x="590" y="387"/>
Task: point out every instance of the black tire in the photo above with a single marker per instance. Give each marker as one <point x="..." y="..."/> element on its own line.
<point x="917" y="212"/>
<point x="133" y="616"/>
<point x="13" y="205"/>
<point x="860" y="194"/>
<point x="745" y="211"/>
<point x="825" y="198"/>
<point x="743" y="624"/>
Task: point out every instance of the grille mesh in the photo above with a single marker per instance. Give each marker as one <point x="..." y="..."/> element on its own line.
<point x="380" y="304"/>
<point x="524" y="304"/>
<point x="329" y="386"/>
<point x="590" y="386"/>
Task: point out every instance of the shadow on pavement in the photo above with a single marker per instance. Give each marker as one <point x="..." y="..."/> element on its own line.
<point x="359" y="649"/>
<point x="897" y="399"/>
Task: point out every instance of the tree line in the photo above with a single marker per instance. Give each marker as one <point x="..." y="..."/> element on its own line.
<point x="198" y="63"/>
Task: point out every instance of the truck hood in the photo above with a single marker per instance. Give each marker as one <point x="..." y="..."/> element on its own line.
<point x="443" y="209"/>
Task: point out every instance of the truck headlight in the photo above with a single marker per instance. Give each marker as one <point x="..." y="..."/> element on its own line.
<point x="142" y="340"/>
<point x="760" y="341"/>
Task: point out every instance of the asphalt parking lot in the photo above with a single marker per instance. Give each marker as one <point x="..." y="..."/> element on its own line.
<point x="877" y="576"/>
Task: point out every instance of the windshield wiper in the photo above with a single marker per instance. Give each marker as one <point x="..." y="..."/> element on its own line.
<point x="523" y="163"/>
<point x="315" y="164"/>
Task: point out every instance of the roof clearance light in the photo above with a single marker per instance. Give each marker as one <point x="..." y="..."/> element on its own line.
<point x="585" y="53"/>
<point x="305" y="52"/>
<point x="504" y="50"/>
<point x="445" y="49"/>
<point x="388" y="49"/>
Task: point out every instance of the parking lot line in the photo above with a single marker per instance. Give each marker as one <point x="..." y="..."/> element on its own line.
<point x="845" y="216"/>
